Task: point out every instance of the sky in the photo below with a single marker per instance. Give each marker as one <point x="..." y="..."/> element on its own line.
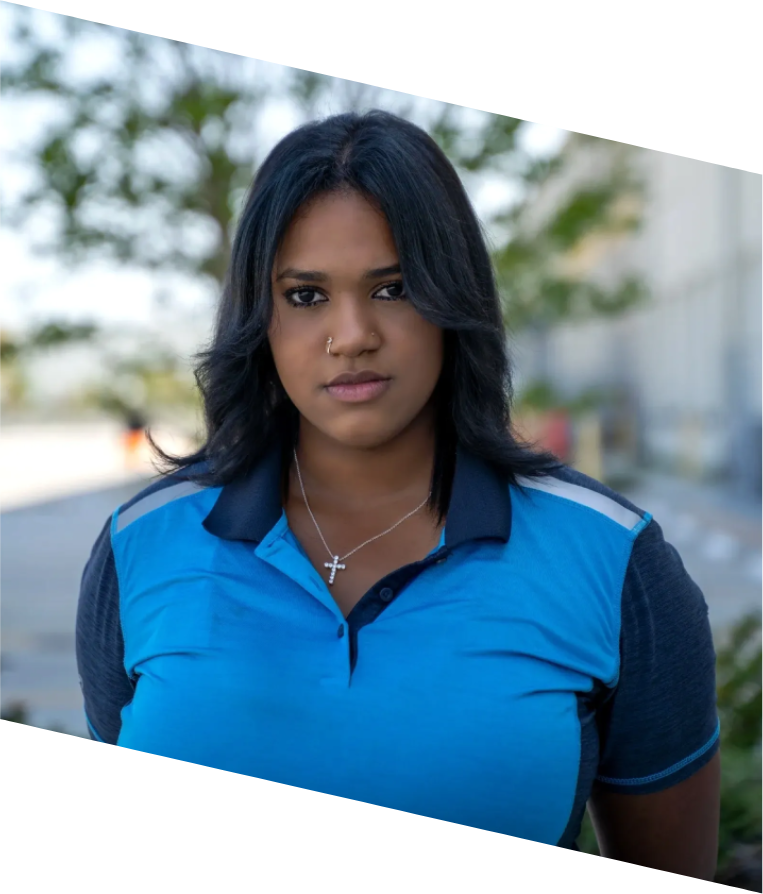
<point x="36" y="288"/>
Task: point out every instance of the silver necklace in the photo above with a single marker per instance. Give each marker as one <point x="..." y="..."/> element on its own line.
<point x="334" y="564"/>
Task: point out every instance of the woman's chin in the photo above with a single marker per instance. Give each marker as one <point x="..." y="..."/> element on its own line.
<point x="362" y="434"/>
<point x="362" y="440"/>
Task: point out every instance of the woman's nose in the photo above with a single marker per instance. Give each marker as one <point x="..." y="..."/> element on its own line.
<point x="352" y="329"/>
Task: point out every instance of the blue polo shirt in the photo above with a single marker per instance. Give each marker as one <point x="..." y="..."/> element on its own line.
<point x="552" y="638"/>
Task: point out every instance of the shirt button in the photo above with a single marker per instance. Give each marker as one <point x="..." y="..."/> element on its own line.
<point x="386" y="594"/>
<point x="340" y="632"/>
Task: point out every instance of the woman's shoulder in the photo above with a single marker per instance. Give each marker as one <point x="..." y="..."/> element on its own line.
<point x="567" y="488"/>
<point x="576" y="512"/>
<point x="166" y="489"/>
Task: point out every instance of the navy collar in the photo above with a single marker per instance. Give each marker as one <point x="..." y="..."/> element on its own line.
<point x="480" y="503"/>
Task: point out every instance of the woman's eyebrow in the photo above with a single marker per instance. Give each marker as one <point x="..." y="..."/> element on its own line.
<point x="379" y="272"/>
<point x="302" y="275"/>
<point x="319" y="276"/>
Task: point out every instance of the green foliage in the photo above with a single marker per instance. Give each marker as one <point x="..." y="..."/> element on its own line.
<point x="741" y="786"/>
<point x="590" y="207"/>
<point x="143" y="156"/>
<point x="539" y="268"/>
<point x="9" y="348"/>
<point x="15" y="351"/>
<point x="14" y="386"/>
<point x="541" y="395"/>
<point x="738" y="669"/>
<point x="59" y="332"/>
<point x="587" y="839"/>
<point x="157" y="381"/>
<point x="491" y="143"/>
<point x="16" y="712"/>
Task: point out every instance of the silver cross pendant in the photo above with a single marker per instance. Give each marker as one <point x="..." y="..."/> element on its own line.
<point x="333" y="566"/>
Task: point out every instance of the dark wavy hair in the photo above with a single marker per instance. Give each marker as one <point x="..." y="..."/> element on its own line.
<point x="447" y="275"/>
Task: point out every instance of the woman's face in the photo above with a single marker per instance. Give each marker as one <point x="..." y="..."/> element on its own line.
<point x="337" y="275"/>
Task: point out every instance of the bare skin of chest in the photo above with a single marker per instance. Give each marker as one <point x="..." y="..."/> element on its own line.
<point x="410" y="542"/>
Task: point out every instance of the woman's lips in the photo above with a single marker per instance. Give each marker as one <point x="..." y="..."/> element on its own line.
<point x="359" y="392"/>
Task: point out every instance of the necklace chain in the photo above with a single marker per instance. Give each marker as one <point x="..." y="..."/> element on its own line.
<point x="365" y="542"/>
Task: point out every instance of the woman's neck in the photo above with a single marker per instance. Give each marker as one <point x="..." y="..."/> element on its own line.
<point x="338" y="476"/>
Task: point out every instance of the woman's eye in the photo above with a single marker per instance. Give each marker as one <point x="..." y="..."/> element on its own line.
<point x="302" y="297"/>
<point x="308" y="297"/>
<point x="391" y="292"/>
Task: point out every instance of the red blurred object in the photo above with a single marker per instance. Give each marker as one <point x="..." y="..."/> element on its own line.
<point x="556" y="434"/>
<point x="547" y="430"/>
<point x="133" y="441"/>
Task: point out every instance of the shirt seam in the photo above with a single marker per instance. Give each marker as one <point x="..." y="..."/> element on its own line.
<point x="119" y="604"/>
<point x="115" y="530"/>
<point x="641" y="527"/>
<point x="654" y="777"/>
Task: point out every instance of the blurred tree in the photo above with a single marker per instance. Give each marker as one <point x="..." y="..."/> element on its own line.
<point x="146" y="162"/>
<point x="739" y="684"/>
<point x="58" y="332"/>
<point x="144" y="158"/>
<point x="549" y="254"/>
<point x="155" y="380"/>
<point x="9" y="348"/>
<point x="15" y="352"/>
<point x="14" y="386"/>
<point x="740" y="705"/>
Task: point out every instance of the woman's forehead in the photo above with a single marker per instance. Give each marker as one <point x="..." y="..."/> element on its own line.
<point x="337" y="230"/>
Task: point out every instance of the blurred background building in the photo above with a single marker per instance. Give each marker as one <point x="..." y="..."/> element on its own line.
<point x="687" y="362"/>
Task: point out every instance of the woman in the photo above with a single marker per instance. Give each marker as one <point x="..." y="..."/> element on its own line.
<point x="363" y="584"/>
<point x="133" y="436"/>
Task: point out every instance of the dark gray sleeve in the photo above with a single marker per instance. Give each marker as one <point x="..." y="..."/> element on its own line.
<point x="106" y="688"/>
<point x="660" y="724"/>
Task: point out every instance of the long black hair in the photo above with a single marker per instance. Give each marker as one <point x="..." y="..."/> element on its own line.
<point x="447" y="274"/>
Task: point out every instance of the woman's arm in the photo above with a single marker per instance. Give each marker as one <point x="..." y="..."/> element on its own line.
<point x="106" y="688"/>
<point x="675" y="830"/>
<point x="656" y="799"/>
